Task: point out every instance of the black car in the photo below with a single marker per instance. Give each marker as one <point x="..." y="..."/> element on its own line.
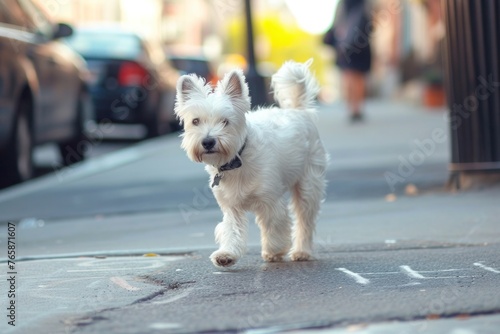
<point x="198" y="65"/>
<point x="130" y="81"/>
<point x="43" y="94"/>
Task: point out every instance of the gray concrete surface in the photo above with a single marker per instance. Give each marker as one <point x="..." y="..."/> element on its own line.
<point x="462" y="324"/>
<point x="344" y="286"/>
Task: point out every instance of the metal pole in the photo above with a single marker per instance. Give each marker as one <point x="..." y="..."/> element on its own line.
<point x="250" y="39"/>
<point x="256" y="83"/>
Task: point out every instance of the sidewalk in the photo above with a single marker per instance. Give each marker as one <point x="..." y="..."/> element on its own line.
<point x="405" y="287"/>
<point x="388" y="141"/>
<point x="386" y="251"/>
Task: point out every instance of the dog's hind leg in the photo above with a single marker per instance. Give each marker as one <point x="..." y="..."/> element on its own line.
<point x="275" y="230"/>
<point x="307" y="195"/>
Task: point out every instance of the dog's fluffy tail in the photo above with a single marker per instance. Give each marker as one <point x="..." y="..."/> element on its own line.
<point x="294" y="86"/>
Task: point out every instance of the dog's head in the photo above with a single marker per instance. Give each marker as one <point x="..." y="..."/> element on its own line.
<point x="214" y="122"/>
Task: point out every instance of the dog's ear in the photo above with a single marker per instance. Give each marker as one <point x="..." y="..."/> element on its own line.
<point x="189" y="87"/>
<point x="234" y="86"/>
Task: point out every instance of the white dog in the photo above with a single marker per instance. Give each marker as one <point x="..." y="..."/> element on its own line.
<point x="255" y="158"/>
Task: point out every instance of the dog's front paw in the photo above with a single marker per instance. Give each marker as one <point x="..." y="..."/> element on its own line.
<point x="223" y="259"/>
<point x="300" y="256"/>
<point x="268" y="257"/>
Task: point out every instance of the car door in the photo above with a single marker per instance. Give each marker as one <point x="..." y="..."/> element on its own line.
<point x="13" y="42"/>
<point x="6" y="99"/>
<point x="56" y="75"/>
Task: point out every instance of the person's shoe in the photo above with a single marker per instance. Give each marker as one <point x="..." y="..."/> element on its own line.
<point x="357" y="118"/>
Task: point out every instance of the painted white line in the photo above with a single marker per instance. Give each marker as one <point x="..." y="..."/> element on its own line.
<point x="357" y="277"/>
<point x="123" y="284"/>
<point x="412" y="273"/>
<point x="102" y="270"/>
<point x="384" y="273"/>
<point x="441" y="271"/>
<point x="175" y="298"/>
<point x="165" y="325"/>
<point x="222" y="272"/>
<point x="57" y="279"/>
<point x="112" y="264"/>
<point x="493" y="270"/>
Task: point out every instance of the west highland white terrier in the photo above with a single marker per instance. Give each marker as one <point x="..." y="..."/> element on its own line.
<point x="255" y="158"/>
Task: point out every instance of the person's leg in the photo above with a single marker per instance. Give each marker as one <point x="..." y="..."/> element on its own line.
<point x="349" y="89"/>
<point x="358" y="82"/>
<point x="354" y="92"/>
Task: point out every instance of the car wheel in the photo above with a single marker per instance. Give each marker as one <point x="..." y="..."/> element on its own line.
<point x="17" y="160"/>
<point x="156" y="126"/>
<point x="176" y="126"/>
<point x="75" y="149"/>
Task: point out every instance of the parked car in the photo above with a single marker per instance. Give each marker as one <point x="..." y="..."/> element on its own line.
<point x="43" y="94"/>
<point x="198" y="65"/>
<point x="130" y="79"/>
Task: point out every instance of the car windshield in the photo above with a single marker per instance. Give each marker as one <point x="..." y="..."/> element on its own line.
<point x="188" y="65"/>
<point x="107" y="45"/>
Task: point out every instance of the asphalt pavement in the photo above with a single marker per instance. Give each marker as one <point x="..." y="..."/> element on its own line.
<point x="120" y="243"/>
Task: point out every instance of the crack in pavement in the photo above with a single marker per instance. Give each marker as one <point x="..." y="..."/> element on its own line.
<point x="171" y="286"/>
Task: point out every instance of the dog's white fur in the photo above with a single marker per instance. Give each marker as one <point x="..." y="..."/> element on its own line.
<point x="283" y="153"/>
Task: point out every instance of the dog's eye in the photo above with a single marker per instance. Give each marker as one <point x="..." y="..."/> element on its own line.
<point x="225" y="122"/>
<point x="196" y="121"/>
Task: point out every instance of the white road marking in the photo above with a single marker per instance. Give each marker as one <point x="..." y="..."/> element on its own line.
<point x="175" y="298"/>
<point x="359" y="279"/>
<point x="383" y="273"/>
<point x="441" y="271"/>
<point x="412" y="273"/>
<point x="102" y="269"/>
<point x="165" y="325"/>
<point x="123" y="283"/>
<point x="112" y="265"/>
<point x="493" y="270"/>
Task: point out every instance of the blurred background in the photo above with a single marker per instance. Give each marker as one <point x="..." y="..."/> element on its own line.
<point x="116" y="62"/>
<point x="405" y="40"/>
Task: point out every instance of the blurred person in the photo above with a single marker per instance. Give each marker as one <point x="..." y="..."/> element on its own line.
<point x="350" y="36"/>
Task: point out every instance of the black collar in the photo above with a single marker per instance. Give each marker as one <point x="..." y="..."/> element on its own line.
<point x="233" y="164"/>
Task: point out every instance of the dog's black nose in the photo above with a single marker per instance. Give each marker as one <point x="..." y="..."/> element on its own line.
<point x="208" y="143"/>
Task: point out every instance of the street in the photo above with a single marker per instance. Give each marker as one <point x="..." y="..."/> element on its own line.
<point x="343" y="286"/>
<point x="47" y="157"/>
<point x="120" y="243"/>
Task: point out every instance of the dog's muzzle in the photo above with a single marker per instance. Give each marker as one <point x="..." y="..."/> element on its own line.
<point x="208" y="144"/>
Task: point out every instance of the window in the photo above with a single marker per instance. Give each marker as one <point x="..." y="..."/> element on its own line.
<point x="105" y="44"/>
<point x="40" y="23"/>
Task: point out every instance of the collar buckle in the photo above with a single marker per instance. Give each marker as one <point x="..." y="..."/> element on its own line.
<point x="233" y="164"/>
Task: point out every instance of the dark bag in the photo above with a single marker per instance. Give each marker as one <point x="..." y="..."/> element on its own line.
<point x="329" y="38"/>
<point x="349" y="29"/>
